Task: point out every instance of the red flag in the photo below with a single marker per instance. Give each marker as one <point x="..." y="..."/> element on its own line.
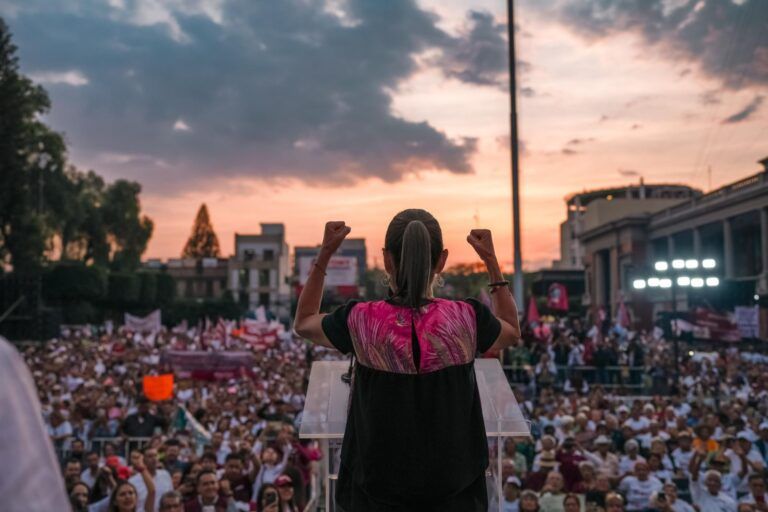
<point x="557" y="298"/>
<point x="533" y="313"/>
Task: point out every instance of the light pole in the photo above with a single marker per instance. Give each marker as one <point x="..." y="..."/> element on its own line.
<point x="517" y="285"/>
<point x="684" y="274"/>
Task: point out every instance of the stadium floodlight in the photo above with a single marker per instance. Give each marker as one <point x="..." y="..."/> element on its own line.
<point x="661" y="266"/>
<point x="708" y="263"/>
<point x="665" y="283"/>
<point x="697" y="282"/>
<point x="653" y="282"/>
<point x="683" y="281"/>
<point x="678" y="264"/>
<point x="713" y="281"/>
<point x="638" y="284"/>
<point x="691" y="264"/>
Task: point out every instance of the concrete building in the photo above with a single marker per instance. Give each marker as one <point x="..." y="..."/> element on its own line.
<point x="729" y="224"/>
<point x="352" y="249"/>
<point x="585" y="210"/>
<point x="195" y="279"/>
<point x="259" y="271"/>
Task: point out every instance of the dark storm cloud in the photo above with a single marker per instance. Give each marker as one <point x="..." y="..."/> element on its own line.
<point x="726" y="39"/>
<point x="745" y="113"/>
<point x="179" y="92"/>
<point x="480" y="55"/>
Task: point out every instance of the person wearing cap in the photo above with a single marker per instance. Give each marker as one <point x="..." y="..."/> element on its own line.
<point x="754" y="460"/>
<point x="638" y="487"/>
<point x="546" y="444"/>
<point x="284" y="484"/>
<point x="546" y="463"/>
<point x="605" y="462"/>
<point x="684" y="452"/>
<point x="511" y="500"/>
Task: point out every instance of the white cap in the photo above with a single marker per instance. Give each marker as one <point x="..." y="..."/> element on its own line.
<point x="744" y="435"/>
<point x="622" y="408"/>
<point x="514" y="480"/>
<point x="602" y="440"/>
<point x="764" y="425"/>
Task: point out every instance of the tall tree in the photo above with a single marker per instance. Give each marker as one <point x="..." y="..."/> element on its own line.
<point x="203" y="242"/>
<point x="32" y="159"/>
<point x="128" y="231"/>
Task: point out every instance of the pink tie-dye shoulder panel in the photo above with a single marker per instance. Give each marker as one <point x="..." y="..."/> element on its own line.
<point x="381" y="335"/>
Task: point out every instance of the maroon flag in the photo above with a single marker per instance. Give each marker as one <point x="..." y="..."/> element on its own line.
<point x="557" y="298"/>
<point x="533" y="313"/>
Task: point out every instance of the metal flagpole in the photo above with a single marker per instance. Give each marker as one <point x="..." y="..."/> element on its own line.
<point x="518" y="255"/>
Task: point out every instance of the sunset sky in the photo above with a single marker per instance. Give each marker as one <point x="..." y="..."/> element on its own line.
<point x="302" y="111"/>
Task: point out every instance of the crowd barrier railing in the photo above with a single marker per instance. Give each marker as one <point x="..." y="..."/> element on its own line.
<point x="633" y="379"/>
<point x="123" y="446"/>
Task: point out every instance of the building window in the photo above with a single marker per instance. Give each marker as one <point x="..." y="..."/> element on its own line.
<point x="249" y="254"/>
<point x="269" y="255"/>
<point x="263" y="277"/>
<point x="264" y="299"/>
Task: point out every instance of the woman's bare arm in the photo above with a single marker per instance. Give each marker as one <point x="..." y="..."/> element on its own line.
<point x="309" y="321"/>
<point x="504" y="305"/>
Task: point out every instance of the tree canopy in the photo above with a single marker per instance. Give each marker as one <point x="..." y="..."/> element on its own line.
<point x="49" y="210"/>
<point x="203" y="242"/>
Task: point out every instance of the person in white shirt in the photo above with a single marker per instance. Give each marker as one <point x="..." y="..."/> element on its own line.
<point x="709" y="496"/>
<point x="683" y="454"/>
<point x="627" y="462"/>
<point x="639" y="487"/>
<point x="605" y="462"/>
<point x="92" y="471"/>
<point x="753" y="459"/>
<point x="727" y="482"/>
<point x="160" y="477"/>
<point x="639" y="424"/>
<point x="511" y="500"/>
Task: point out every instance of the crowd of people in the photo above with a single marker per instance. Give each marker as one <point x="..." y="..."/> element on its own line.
<point x="216" y="445"/>
<point x="699" y="441"/>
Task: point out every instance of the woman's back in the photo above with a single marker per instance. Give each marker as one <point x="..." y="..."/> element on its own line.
<point x="415" y="432"/>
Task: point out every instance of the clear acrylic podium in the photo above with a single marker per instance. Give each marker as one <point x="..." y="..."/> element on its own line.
<point x="325" y="417"/>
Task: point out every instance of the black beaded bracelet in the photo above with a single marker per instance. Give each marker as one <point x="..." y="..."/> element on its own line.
<point x="498" y="283"/>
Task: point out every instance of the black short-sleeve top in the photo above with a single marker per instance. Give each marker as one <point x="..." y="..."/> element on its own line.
<point x="415" y="428"/>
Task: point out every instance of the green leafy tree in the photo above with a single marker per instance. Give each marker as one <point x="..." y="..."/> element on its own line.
<point x="203" y="242"/>
<point x="128" y="231"/>
<point x="32" y="159"/>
